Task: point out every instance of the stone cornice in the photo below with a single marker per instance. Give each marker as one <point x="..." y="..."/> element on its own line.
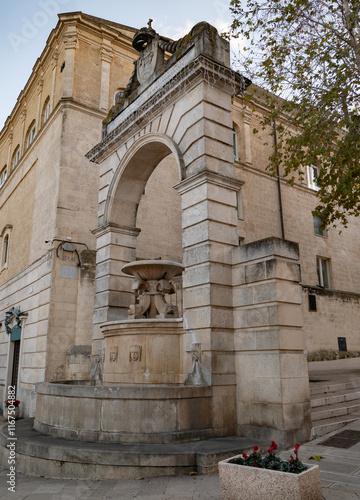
<point x="100" y="26"/>
<point x="208" y="177"/>
<point x="111" y="227"/>
<point x="169" y="85"/>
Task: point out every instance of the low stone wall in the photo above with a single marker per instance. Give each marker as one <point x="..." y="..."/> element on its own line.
<point x="330" y="315"/>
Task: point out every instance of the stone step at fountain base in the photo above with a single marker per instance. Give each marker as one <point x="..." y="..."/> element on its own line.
<point x="39" y="455"/>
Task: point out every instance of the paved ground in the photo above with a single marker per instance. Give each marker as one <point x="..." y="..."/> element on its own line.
<point x="340" y="468"/>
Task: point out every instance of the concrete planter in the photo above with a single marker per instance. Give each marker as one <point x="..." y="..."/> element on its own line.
<point x="12" y="414"/>
<point x="239" y="481"/>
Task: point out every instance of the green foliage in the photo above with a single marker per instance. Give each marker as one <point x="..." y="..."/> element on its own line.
<point x="306" y="54"/>
<point x="271" y="461"/>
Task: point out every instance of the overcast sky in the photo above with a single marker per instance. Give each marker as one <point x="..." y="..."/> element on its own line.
<point x="26" y="24"/>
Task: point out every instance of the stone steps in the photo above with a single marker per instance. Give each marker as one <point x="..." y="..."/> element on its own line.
<point x="40" y="455"/>
<point x="317" y="387"/>
<point x="335" y="410"/>
<point x="334" y="405"/>
<point x="331" y="399"/>
<point x="323" y="427"/>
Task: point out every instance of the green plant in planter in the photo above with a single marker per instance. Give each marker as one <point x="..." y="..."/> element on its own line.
<point x="270" y="460"/>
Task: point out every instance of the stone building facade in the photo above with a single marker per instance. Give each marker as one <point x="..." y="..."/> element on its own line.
<point x="55" y="216"/>
<point x="49" y="198"/>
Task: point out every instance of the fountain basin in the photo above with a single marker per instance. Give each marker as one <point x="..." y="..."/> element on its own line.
<point x="123" y="414"/>
<point x="153" y="269"/>
<point x="143" y="351"/>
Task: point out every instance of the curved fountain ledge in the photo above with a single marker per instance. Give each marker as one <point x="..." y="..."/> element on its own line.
<point x="153" y="269"/>
<point x="125" y="414"/>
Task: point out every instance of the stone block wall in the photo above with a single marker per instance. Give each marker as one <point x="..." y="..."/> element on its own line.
<point x="336" y="316"/>
<point x="31" y="291"/>
<point x="272" y="385"/>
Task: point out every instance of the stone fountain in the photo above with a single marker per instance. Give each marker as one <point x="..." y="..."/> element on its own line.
<point x="140" y="392"/>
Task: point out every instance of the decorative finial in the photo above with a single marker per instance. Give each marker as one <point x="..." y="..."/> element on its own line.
<point x="149" y="23"/>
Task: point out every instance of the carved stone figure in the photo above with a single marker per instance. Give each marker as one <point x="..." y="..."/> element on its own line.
<point x="195" y="352"/>
<point x="114" y="354"/>
<point x="135" y="353"/>
<point x="152" y="48"/>
<point x="196" y="377"/>
<point x="96" y="369"/>
<point x="150" y="287"/>
<point x="13" y="314"/>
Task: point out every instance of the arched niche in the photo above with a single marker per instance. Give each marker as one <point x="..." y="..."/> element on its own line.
<point x="117" y="236"/>
<point x="131" y="176"/>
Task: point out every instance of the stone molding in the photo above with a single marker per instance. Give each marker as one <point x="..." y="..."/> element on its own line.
<point x="54" y="58"/>
<point x="106" y="54"/>
<point x="40" y="85"/>
<point x="208" y="177"/>
<point x="23" y="114"/>
<point x="247" y="115"/>
<point x="111" y="227"/>
<point x="70" y="41"/>
<point x="266" y="248"/>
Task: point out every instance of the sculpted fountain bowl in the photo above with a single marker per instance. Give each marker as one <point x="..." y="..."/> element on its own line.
<point x="153" y="269"/>
<point x="152" y="284"/>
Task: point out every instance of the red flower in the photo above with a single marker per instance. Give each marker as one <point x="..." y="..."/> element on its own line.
<point x="10" y="402"/>
<point x="256" y="448"/>
<point x="274" y="445"/>
<point x="297" y="446"/>
<point x="245" y="456"/>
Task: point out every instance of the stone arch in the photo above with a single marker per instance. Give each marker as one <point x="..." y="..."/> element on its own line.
<point x="132" y="174"/>
<point x="186" y="100"/>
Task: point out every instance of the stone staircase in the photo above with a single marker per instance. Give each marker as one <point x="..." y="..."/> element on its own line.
<point x="333" y="405"/>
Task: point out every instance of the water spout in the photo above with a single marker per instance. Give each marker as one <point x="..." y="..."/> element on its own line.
<point x="96" y="370"/>
<point x="196" y="377"/>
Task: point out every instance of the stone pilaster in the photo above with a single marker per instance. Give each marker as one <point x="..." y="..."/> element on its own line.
<point x="247" y="136"/>
<point x="23" y="119"/>
<point x="39" y="90"/>
<point x="116" y="246"/>
<point x="54" y="61"/>
<point x="10" y="141"/>
<point x="106" y="58"/>
<point x="271" y="367"/>
<point x="209" y="224"/>
<point x="70" y="42"/>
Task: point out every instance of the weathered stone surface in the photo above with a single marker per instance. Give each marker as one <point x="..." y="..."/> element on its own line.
<point x="152" y="414"/>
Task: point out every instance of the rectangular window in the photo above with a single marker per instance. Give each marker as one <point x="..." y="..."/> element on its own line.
<point x="312" y="302"/>
<point x="16" y="158"/>
<point x="317" y="226"/>
<point x="46" y="112"/>
<point x="322" y="266"/>
<point x="235" y="147"/>
<point x="3" y="177"/>
<point x="312" y="175"/>
<point x="31" y="136"/>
